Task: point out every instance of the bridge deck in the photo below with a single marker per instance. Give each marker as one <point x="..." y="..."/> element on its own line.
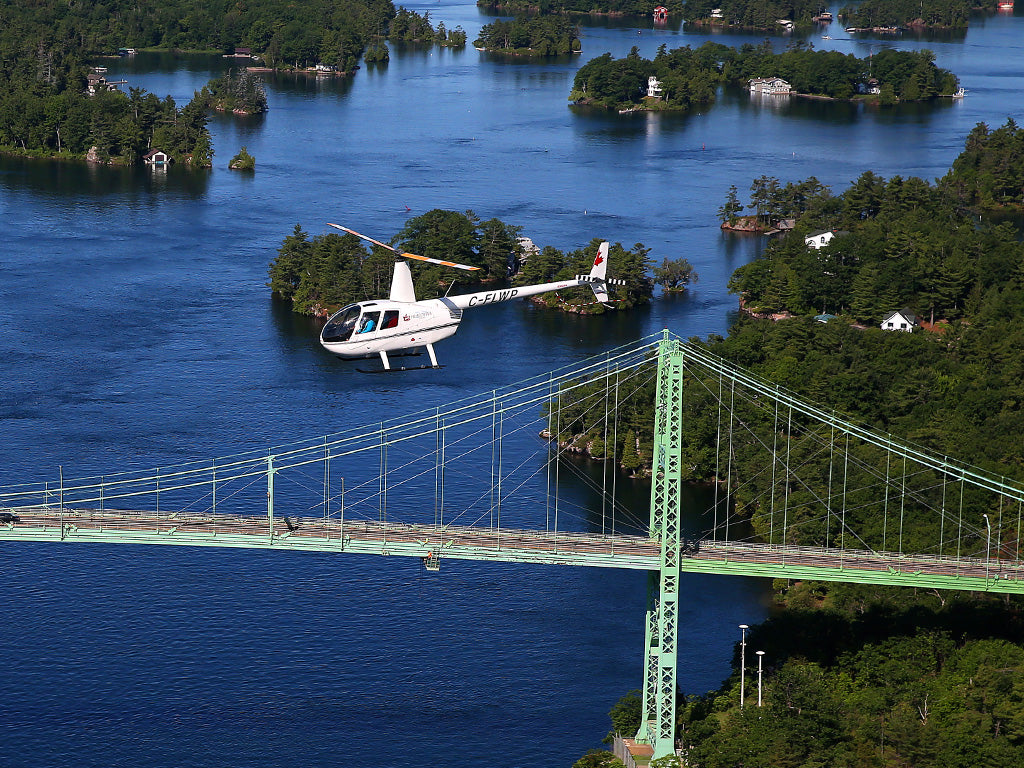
<point x="509" y="545"/>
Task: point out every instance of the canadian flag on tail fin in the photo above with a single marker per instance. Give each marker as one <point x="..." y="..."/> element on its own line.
<point x="597" y="280"/>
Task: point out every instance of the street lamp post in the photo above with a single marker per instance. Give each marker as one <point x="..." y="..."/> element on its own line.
<point x="988" y="544"/>
<point x="743" y="660"/>
<point x="760" y="658"/>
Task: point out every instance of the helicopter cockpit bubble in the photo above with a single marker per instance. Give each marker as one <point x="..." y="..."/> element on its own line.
<point x="339" y="327"/>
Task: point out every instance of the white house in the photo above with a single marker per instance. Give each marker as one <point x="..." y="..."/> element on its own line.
<point x="819" y="239"/>
<point x="653" y="87"/>
<point x="716" y="13"/>
<point x="900" y="320"/>
<point x="769" y="85"/>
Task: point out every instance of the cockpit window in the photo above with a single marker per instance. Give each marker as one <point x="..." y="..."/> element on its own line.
<point x="339" y="327"/>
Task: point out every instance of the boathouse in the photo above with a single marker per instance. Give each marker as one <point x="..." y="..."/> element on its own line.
<point x="156" y="157"/>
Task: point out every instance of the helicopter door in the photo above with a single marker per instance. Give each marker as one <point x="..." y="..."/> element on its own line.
<point x="369" y="322"/>
<point x="390" y="319"/>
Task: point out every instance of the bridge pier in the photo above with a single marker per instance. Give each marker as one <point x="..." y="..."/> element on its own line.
<point x="658" y="706"/>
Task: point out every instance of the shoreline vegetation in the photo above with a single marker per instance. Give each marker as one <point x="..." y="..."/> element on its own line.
<point x="685" y="78"/>
<point x="898" y="243"/>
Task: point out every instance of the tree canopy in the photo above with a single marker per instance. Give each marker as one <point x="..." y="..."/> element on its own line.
<point x="530" y="36"/>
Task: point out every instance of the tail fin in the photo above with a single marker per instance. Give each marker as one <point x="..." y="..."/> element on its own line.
<point x="597" y="280"/>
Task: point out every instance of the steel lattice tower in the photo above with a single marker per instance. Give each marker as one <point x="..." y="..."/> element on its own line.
<point x="659" y="693"/>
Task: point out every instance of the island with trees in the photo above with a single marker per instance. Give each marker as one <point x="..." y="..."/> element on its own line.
<point x="772" y="16"/>
<point x="890" y="15"/>
<point x="52" y="105"/>
<point x="589" y="7"/>
<point x="530" y="36"/>
<point x="321" y="274"/>
<point x="240" y="93"/>
<point x="687" y="77"/>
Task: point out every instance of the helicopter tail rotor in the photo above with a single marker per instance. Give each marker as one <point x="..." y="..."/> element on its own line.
<point x="597" y="279"/>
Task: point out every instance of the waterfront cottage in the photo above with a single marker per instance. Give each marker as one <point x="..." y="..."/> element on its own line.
<point x="96" y="82"/>
<point x="653" y="87"/>
<point x="900" y="320"/>
<point x="769" y="85"/>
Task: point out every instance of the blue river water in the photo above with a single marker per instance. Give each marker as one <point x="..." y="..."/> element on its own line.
<point x="137" y="331"/>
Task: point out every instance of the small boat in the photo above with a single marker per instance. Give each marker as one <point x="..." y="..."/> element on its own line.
<point x="826" y="37"/>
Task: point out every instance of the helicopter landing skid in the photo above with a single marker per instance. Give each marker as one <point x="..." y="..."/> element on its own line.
<point x="386" y="363"/>
<point x="399" y="370"/>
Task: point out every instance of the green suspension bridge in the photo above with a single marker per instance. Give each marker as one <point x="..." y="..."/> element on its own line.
<point x="799" y="492"/>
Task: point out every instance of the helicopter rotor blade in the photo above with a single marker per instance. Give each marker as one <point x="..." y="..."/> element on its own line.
<point x="438" y="261"/>
<point x="415" y="256"/>
<point x="364" y="237"/>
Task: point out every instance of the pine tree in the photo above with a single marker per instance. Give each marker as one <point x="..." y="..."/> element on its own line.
<point x="630" y="460"/>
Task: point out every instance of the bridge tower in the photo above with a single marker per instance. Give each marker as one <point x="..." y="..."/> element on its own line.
<point x="658" y="708"/>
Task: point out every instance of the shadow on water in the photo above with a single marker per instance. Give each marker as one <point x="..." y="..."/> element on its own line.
<point x="490" y="57"/>
<point x="834" y="111"/>
<point x="77" y="178"/>
<point x="171" y="62"/>
<point x="308" y="83"/>
<point x="292" y="328"/>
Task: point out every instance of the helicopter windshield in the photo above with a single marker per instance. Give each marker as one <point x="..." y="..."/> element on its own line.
<point x="339" y="327"/>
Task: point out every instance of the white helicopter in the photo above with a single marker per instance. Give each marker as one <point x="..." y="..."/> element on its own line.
<point x="401" y="325"/>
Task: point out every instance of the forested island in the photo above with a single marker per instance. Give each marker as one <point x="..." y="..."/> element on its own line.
<point x="689" y="77"/>
<point x="868" y="676"/>
<point x="922" y="14"/>
<point x="239" y="92"/>
<point x="762" y="15"/>
<point x="52" y="105"/>
<point x="530" y="36"/>
<point x="602" y="7"/>
<point x="321" y="274"/>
